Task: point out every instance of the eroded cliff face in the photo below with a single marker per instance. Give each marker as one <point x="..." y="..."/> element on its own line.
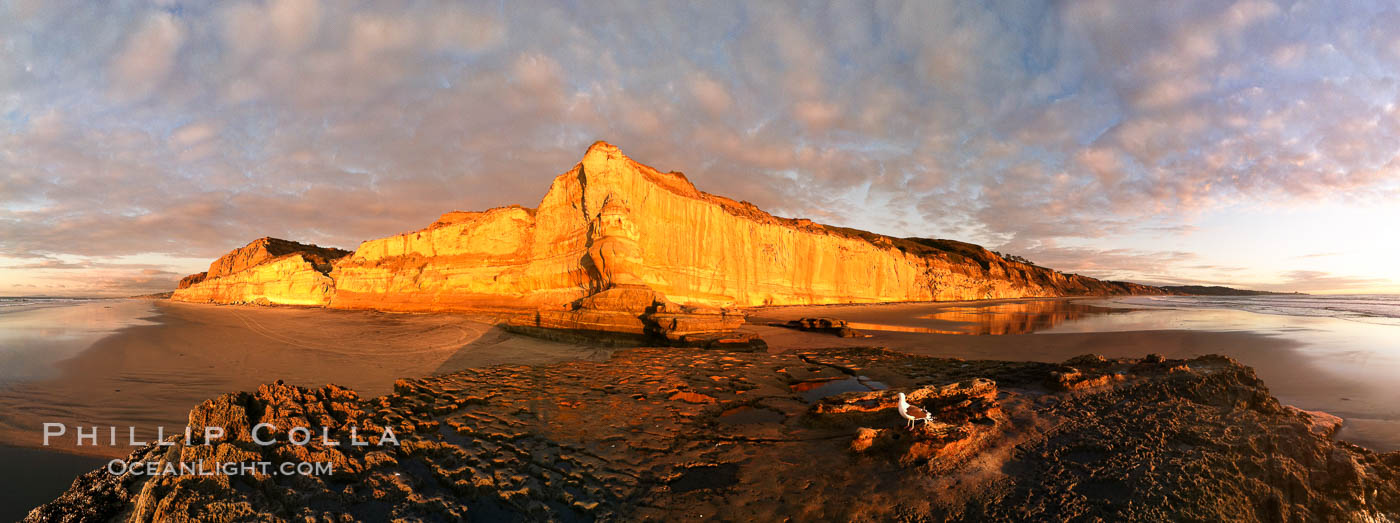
<point x="266" y="271"/>
<point x="265" y="249"/>
<point x="695" y="248"/>
<point x="692" y="247"/>
<point x="192" y="279"/>
<point x="502" y="258"/>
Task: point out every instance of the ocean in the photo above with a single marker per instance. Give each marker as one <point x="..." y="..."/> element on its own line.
<point x="1383" y="309"/>
<point x="13" y="303"/>
<point x="37" y="333"/>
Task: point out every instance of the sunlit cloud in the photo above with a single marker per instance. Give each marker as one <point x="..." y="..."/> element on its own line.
<point x="1309" y="281"/>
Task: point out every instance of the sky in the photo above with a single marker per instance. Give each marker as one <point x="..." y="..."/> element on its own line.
<point x="1253" y="143"/>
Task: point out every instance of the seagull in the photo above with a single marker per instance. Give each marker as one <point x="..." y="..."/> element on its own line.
<point x="912" y="414"/>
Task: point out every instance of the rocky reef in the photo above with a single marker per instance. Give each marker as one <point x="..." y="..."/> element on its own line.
<point x="834" y="326"/>
<point x="694" y="248"/>
<point x="668" y="434"/>
<point x="634" y="315"/>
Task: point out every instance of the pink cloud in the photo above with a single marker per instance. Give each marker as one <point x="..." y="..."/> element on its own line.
<point x="148" y="57"/>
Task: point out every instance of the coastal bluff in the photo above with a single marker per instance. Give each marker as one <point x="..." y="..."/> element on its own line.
<point x="694" y="248"/>
<point x="266" y="271"/>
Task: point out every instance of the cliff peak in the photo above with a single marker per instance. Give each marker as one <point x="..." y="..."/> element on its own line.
<point x="605" y="170"/>
<point x="602" y="157"/>
<point x="601" y="147"/>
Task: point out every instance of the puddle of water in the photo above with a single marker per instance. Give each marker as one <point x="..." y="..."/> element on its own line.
<point x="746" y="415"/>
<point x="814" y="390"/>
<point x="706" y="477"/>
<point x="805" y="386"/>
<point x="998" y="319"/>
<point x="899" y="328"/>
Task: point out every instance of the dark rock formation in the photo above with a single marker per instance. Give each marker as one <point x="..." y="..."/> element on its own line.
<point x="666" y="434"/>
<point x="832" y="326"/>
<point x="634" y="315"/>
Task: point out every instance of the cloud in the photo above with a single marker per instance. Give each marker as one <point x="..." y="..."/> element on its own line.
<point x="1315" y="281"/>
<point x="1317" y="255"/>
<point x="148" y="57"/>
<point x="1111" y="264"/>
<point x="184" y="130"/>
<point x="50" y="263"/>
<point x="538" y="74"/>
<point x="711" y="95"/>
<point x="294" y="22"/>
<point x="85" y="278"/>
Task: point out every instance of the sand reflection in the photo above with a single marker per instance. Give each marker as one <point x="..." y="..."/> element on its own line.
<point x="998" y="319"/>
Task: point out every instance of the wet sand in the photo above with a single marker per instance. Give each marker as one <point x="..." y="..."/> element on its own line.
<point x="150" y="375"/>
<point x="171" y="356"/>
<point x="145" y="364"/>
<point x="35" y="337"/>
<point x="1344" y="368"/>
<point x="985" y="317"/>
<point x="35" y="476"/>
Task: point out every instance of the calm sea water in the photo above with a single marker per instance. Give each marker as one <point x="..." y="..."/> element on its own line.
<point x="37" y="333"/>
<point x="1381" y="309"/>
<point x="8" y="303"/>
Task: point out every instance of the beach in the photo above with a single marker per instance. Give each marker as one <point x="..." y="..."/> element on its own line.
<point x="1346" y="368"/>
<point x="149" y="375"/>
<point x="37" y="334"/>
<point x="145" y="364"/>
<point x="37" y="476"/>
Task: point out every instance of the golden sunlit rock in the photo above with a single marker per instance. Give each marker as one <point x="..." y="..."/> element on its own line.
<point x="266" y="271"/>
<point x="289" y="280"/>
<point x="613" y="221"/>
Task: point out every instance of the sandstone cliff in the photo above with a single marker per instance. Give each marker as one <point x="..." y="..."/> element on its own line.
<point x="264" y="249"/>
<point x="192" y="279"/>
<point x="266" y="271"/>
<point x="695" y="248"/>
<point x="692" y="247"/>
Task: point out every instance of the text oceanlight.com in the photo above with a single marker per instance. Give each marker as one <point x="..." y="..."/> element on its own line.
<point x="119" y="467"/>
<point x="262" y="434"/>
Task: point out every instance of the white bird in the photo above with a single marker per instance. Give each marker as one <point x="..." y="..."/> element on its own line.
<point x="912" y="414"/>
